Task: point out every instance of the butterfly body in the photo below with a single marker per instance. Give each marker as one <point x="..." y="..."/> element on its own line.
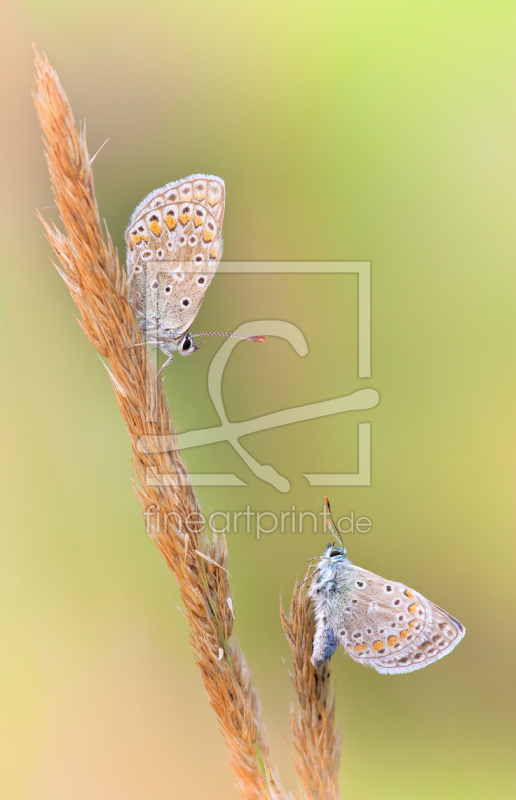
<point x="380" y="623"/>
<point x="174" y="245"/>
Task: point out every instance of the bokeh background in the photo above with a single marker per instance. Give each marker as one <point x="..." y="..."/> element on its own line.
<point x="381" y="131"/>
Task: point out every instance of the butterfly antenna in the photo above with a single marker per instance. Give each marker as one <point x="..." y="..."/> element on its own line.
<point x="234" y="336"/>
<point x="334" y="528"/>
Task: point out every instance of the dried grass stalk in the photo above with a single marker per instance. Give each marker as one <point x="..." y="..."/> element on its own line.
<point x="92" y="273"/>
<point x="317" y="746"/>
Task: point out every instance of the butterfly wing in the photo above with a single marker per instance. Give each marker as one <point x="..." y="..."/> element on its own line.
<point x="174" y="245"/>
<point x="388" y="626"/>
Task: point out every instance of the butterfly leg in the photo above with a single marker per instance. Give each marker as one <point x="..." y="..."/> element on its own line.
<point x="325" y="644"/>
<point x="143" y="344"/>
<point x="167" y="362"/>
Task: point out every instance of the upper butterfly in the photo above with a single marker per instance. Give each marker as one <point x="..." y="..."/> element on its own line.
<point x="174" y="245"/>
<point x="380" y="623"/>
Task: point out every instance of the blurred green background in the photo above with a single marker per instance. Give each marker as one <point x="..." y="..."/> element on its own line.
<point x="381" y="131"/>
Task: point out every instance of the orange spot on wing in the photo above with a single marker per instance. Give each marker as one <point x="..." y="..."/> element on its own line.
<point x="378" y="645"/>
<point x="144" y="237"/>
<point x="359" y="648"/>
<point x="413" y="623"/>
<point x="404" y="634"/>
<point x="137" y="238"/>
<point x="131" y="245"/>
<point x="213" y="254"/>
<point x="183" y="219"/>
<point x="393" y="640"/>
<point x="197" y="221"/>
<point x="412" y="608"/>
<point x="213" y="200"/>
<point x="156" y="228"/>
<point x="200" y="195"/>
<point x="207" y="236"/>
<point x="408" y="593"/>
<point x="171" y="222"/>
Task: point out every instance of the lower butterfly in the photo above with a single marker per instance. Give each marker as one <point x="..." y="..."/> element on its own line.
<point x="380" y="623"/>
<point x="174" y="245"/>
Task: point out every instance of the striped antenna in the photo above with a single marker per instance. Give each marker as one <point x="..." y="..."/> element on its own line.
<point x="334" y="528"/>
<point x="233" y="336"/>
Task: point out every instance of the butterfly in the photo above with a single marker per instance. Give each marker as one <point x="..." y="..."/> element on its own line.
<point x="380" y="623"/>
<point x="174" y="245"/>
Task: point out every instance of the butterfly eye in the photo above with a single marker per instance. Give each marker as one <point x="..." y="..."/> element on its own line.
<point x="187" y="346"/>
<point x="335" y="553"/>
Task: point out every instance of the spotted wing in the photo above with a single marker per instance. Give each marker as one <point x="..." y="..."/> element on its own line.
<point x="174" y="245"/>
<point x="388" y="626"/>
